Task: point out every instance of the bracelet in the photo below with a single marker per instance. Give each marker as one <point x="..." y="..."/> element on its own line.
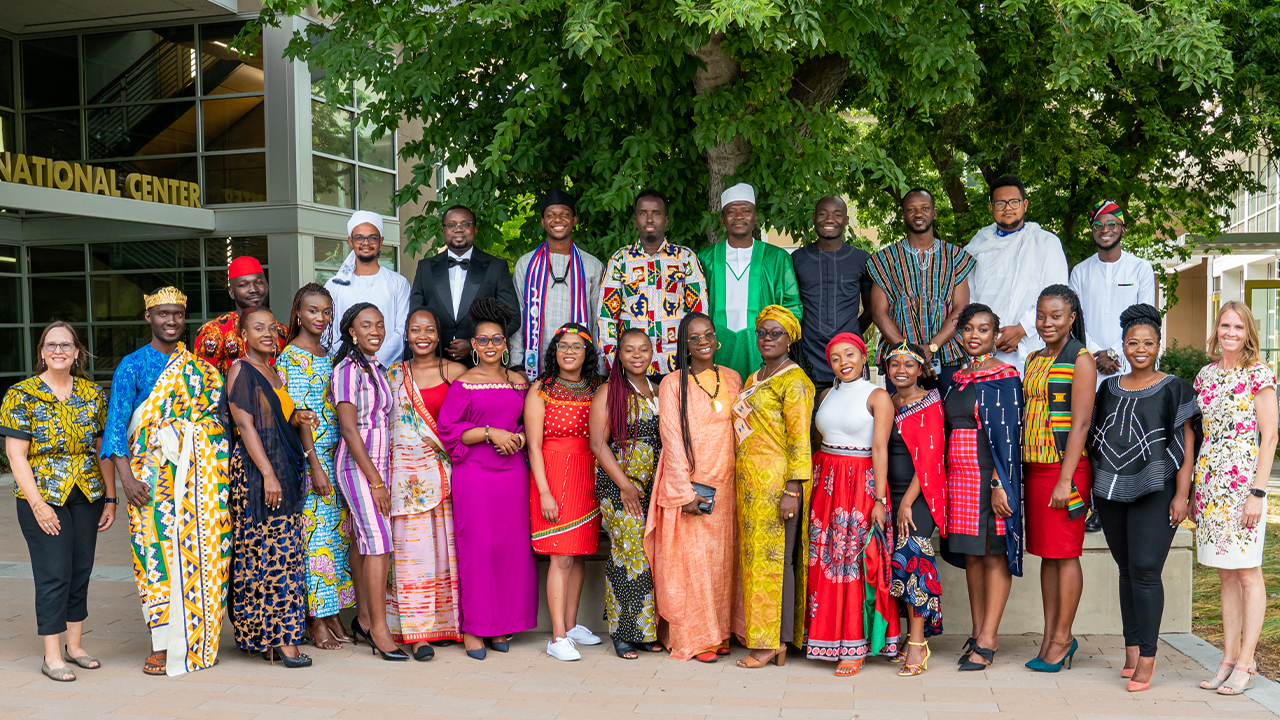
<point x="792" y="494"/>
<point x="113" y="501"/>
<point x="379" y="486"/>
<point x="486" y="434"/>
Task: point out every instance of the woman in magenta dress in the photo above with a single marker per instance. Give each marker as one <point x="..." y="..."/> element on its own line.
<point x="480" y="424"/>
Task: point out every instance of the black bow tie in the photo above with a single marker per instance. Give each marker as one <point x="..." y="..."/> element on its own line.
<point x="463" y="263"/>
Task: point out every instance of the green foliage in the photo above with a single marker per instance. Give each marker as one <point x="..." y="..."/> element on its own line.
<point x="1183" y="362"/>
<point x="1147" y="103"/>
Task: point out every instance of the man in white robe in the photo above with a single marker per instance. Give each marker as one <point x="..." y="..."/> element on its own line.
<point x="363" y="279"/>
<point x="1016" y="260"/>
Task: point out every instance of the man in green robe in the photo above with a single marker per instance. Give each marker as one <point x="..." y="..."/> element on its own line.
<point x="744" y="275"/>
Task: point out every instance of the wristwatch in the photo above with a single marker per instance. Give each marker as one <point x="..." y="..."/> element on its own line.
<point x="1258" y="493"/>
<point x="1111" y="353"/>
<point x="995" y="485"/>
<point x="933" y="347"/>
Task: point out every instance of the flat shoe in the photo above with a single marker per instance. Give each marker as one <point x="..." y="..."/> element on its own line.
<point x="86" y="661"/>
<point x="62" y="674"/>
<point x="424" y="653"/>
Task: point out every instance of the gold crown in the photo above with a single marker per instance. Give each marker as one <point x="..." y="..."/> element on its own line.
<point x="167" y="296"/>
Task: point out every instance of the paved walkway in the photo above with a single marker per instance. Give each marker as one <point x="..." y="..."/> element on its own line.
<point x="526" y="683"/>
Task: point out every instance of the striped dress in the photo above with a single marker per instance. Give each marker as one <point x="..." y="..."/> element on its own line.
<point x="371" y="396"/>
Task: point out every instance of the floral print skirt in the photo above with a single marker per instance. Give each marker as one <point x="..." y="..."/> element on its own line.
<point x="328" y="531"/>
<point x="628" y="600"/>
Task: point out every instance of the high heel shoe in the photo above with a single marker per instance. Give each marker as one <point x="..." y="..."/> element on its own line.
<point x="985" y="653"/>
<point x="910" y="669"/>
<point x="1041" y="665"/>
<point x="396" y="655"/>
<point x="1135" y="686"/>
<point x="500" y="645"/>
<point x="1227" y="688"/>
<point x="358" y="631"/>
<point x="779" y="658"/>
<point x="1216" y="682"/>
<point x="292" y="663"/>
<point x="964" y="651"/>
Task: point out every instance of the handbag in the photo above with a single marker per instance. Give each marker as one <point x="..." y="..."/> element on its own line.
<point x="707" y="496"/>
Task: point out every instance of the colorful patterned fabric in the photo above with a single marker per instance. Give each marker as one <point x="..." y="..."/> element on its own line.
<point x="131" y="385"/>
<point x="774" y="450"/>
<point x="324" y="519"/>
<point x="923" y="429"/>
<point x="628" y="601"/>
<point x="1106" y="207"/>
<point x="1226" y="465"/>
<point x="219" y="343"/>
<point x="916" y="581"/>
<point x="1137" y="442"/>
<point x="422" y="584"/>
<point x="537" y="275"/>
<point x="964" y="484"/>
<point x="1037" y="437"/>
<point x="569" y="468"/>
<point x="772" y="281"/>
<point x="370" y="394"/>
<point x="60" y="435"/>
<point x="653" y="292"/>
<point x="182" y="538"/>
<point x="919" y="292"/>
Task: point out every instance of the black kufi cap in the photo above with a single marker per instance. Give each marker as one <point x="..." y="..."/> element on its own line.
<point x="556" y="197"/>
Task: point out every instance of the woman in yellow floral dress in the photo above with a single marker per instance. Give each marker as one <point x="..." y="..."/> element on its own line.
<point x="771" y="418"/>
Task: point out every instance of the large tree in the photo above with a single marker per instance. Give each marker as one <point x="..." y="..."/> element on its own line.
<point x="1146" y="102"/>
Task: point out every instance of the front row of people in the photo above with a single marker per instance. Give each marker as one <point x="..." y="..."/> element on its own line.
<point x="405" y="491"/>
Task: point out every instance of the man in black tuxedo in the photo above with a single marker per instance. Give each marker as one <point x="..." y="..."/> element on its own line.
<point x="447" y="284"/>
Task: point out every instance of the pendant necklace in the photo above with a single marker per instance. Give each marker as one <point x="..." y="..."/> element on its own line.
<point x="649" y="402"/>
<point x="714" y="403"/>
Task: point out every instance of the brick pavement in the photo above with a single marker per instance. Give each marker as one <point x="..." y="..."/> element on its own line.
<point x="526" y="683"/>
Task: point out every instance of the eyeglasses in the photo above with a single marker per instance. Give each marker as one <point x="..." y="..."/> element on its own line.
<point x="64" y="348"/>
<point x="366" y="239"/>
<point x="495" y="340"/>
<point x="775" y="334"/>
<point x="1145" y="345"/>
<point x="709" y="336"/>
<point x="465" y="225"/>
<point x="1110" y="225"/>
<point x="1013" y="204"/>
<point x="571" y="348"/>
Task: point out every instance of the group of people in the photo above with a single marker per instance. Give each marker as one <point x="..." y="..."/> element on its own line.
<point x="408" y="451"/>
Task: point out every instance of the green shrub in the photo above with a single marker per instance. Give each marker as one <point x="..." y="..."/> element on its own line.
<point x="1184" y="362"/>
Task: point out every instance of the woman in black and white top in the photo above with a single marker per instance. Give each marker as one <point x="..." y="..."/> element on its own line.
<point x="1145" y="427"/>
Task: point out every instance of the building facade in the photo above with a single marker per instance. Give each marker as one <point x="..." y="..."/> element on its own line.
<point x="140" y="149"/>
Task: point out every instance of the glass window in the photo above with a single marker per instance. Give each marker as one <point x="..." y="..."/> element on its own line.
<point x="119" y="296"/>
<point x="375" y="191"/>
<point x="220" y="297"/>
<point x="112" y="342"/>
<point x="225" y="70"/>
<point x="141" y="65"/>
<point x="144" y="255"/>
<point x="50" y="73"/>
<point x="375" y="152"/>
<point x="9" y="258"/>
<point x="35" y="331"/>
<point x="332" y="182"/>
<point x="218" y="252"/>
<point x="8" y="128"/>
<point x="6" y="73"/>
<point x="55" y="134"/>
<point x="12" y="352"/>
<point x="234" y="123"/>
<point x="178" y="168"/>
<point x="235" y="178"/>
<point x="55" y="258"/>
<point x="133" y="130"/>
<point x="58" y="298"/>
<point x="329" y="255"/>
<point x="330" y="130"/>
<point x="10" y="300"/>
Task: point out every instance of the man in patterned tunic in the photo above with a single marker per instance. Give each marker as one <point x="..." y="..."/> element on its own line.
<point x="650" y="284"/>
<point x="166" y="440"/>
<point x="218" y="341"/>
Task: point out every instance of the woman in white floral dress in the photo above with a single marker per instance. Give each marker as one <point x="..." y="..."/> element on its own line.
<point x="1238" y="399"/>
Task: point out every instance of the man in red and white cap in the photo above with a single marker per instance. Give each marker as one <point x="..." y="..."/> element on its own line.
<point x="218" y="341"/>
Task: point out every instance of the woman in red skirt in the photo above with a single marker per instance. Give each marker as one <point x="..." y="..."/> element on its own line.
<point x="1059" y="386"/>
<point x="849" y="548"/>
<point x="564" y="512"/>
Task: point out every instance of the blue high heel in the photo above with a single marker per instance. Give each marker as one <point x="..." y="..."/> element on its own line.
<point x="1040" y="665"/>
<point x="476" y="654"/>
<point x="500" y="645"/>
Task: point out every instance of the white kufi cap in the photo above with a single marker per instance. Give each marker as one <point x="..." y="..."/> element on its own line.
<point x="361" y="217"/>
<point x="738" y="193"/>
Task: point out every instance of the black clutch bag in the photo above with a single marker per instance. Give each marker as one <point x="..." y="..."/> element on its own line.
<point x="707" y="497"/>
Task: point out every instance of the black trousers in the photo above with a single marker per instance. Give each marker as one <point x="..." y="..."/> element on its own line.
<point x="61" y="564"/>
<point x="1139" y="536"/>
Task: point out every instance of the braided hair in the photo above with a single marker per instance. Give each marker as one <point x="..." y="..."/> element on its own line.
<point x="620" y="391"/>
<point x="590" y="362"/>
<point x="295" y="323"/>
<point x="1140" y="314"/>
<point x="683" y="359"/>
<point x="349" y="348"/>
<point x="1073" y="301"/>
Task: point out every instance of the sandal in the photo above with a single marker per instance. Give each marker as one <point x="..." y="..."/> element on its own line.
<point x="653" y="647"/>
<point x="1228" y="688"/>
<point x="155" y="663"/>
<point x="86" y="661"/>
<point x="913" y="669"/>
<point x="779" y="658"/>
<point x="624" y="649"/>
<point x="970" y="666"/>
<point x="322" y="636"/>
<point x="968" y="648"/>
<point x="62" y="674"/>
<point x="843" y="670"/>
<point x="1216" y="681"/>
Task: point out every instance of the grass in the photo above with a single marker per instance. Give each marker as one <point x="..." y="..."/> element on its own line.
<point x="1206" y="610"/>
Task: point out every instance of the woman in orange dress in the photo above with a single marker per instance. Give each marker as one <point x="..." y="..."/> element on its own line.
<point x="689" y="539"/>
<point x="564" y="513"/>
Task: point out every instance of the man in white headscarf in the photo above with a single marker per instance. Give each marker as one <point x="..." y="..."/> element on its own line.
<point x="363" y="279"/>
<point x="1016" y="260"/>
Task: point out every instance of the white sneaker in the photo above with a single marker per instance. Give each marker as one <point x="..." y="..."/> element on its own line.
<point x="580" y="635"/>
<point x="563" y="649"/>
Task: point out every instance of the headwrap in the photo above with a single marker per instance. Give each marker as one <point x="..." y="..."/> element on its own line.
<point x="361" y="217"/>
<point x="742" y="192"/>
<point x="575" y="329"/>
<point x="784" y="317"/>
<point x="904" y="349"/>
<point x="165" y="296"/>
<point x="242" y="266"/>
<point x="556" y="197"/>
<point x="846" y="337"/>
<point x="1107" y="207"/>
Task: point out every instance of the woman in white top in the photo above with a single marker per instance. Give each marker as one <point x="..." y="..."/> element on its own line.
<point x="847" y="514"/>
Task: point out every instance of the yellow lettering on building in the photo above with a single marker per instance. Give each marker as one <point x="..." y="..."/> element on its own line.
<point x="62" y="177"/>
<point x="132" y="185"/>
<point x="77" y="177"/>
<point x="84" y="177"/>
<point x="21" y="172"/>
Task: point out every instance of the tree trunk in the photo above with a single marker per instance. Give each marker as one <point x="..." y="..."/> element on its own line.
<point x="816" y="83"/>
<point x="718" y="70"/>
<point x="953" y="185"/>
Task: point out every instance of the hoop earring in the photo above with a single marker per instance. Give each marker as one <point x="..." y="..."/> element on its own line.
<point x="719" y="345"/>
<point x="506" y="357"/>
<point x="475" y="357"/>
